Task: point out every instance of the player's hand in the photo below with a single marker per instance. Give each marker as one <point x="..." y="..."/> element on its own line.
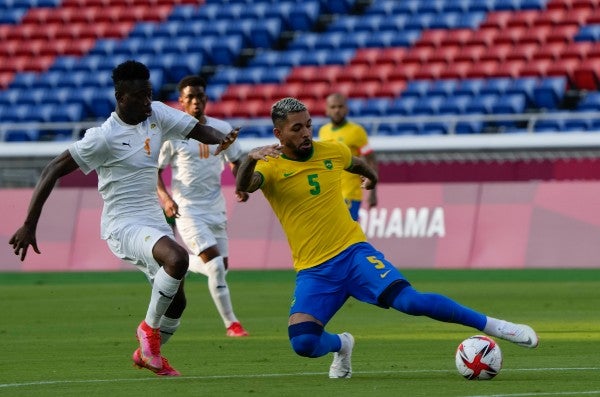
<point x="367" y="183"/>
<point x="22" y="239"/>
<point x="261" y="153"/>
<point x="241" y="197"/>
<point x="171" y="208"/>
<point x="228" y="140"/>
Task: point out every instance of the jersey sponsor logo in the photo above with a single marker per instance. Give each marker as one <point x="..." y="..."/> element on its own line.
<point x="328" y="164"/>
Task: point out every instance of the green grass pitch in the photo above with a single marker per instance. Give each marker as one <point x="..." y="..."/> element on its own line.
<point x="72" y="334"/>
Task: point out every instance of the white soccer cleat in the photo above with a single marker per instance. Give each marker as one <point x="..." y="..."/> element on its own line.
<point x="341" y="367"/>
<point x="521" y="334"/>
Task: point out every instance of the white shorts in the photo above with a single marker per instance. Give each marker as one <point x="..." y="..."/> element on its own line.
<point x="200" y="233"/>
<point x="134" y="244"/>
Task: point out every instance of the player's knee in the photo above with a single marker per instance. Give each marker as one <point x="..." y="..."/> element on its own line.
<point x="216" y="267"/>
<point x="305" y="338"/>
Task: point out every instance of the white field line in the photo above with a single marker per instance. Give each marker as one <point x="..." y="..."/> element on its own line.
<point x="280" y="375"/>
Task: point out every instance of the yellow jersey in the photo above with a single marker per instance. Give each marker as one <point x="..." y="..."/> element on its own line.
<point x="355" y="137"/>
<point x="307" y="199"/>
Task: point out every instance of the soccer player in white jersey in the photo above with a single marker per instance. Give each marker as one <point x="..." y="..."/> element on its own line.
<point x="124" y="152"/>
<point x="198" y="203"/>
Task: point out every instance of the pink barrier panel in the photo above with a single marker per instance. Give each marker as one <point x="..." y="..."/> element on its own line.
<point x="453" y="225"/>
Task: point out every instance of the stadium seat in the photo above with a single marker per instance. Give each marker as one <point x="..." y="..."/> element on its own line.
<point x="549" y="92"/>
<point x="417" y="88"/>
<point x="402" y="106"/>
<point x="481" y="104"/>
<point x="586" y="76"/>
<point x="428" y="105"/>
<point x="454" y="104"/>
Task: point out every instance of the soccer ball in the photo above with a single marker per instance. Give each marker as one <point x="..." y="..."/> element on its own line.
<point x="478" y="357"/>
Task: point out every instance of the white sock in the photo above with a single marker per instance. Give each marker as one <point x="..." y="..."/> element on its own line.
<point x="168" y="326"/>
<point x="164" y="289"/>
<point x="197" y="265"/>
<point x="219" y="290"/>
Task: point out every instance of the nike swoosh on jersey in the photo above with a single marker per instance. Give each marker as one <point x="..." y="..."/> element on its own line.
<point x="286" y="174"/>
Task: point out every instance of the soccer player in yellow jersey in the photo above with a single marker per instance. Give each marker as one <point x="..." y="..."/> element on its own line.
<point x="355" y="137"/>
<point x="333" y="260"/>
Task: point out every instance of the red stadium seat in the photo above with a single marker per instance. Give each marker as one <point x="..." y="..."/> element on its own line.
<point x="497" y="19"/>
<point x="377" y="73"/>
<point x="6" y="78"/>
<point x="524" y="18"/>
<point x="14" y="64"/>
<point x="302" y="74"/>
<point x="343" y="87"/>
<point x="562" y="33"/>
<point x="431" y="38"/>
<point x="354" y="73"/>
<point x="39" y="63"/>
<point x="391" y="89"/>
<point x="263" y="91"/>
<point x="366" y="89"/>
<point x="483" y="69"/>
<point x="550" y="17"/>
<point x="77" y="47"/>
<point x="237" y="92"/>
<point x="222" y="109"/>
<point x="457" y="37"/>
<point x="445" y="54"/>
<point x="497" y="52"/>
<point x="551" y="51"/>
<point x="510" y="35"/>
<point x="577" y="50"/>
<point x="392" y="55"/>
<point x="586" y="76"/>
<point x="314" y="91"/>
<point x="470" y="53"/>
<point x="248" y="109"/>
<point x="563" y="67"/>
<point x="288" y="90"/>
<point x="536" y="68"/>
<point x="523" y="51"/>
<point x="485" y="36"/>
<point x="404" y="72"/>
<point x="510" y="68"/>
<point x="430" y="71"/>
<point x="418" y="54"/>
<point x="365" y="56"/>
<point x="457" y="70"/>
<point x="37" y="16"/>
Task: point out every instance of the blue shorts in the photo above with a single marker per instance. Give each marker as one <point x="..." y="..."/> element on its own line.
<point x="359" y="271"/>
<point x="353" y="207"/>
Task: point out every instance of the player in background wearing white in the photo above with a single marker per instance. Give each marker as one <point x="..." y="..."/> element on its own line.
<point x="198" y="203"/>
<point x="124" y="152"/>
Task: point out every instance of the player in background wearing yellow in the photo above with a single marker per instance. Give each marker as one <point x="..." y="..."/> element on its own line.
<point x="355" y="137"/>
<point x="331" y="254"/>
<point x="197" y="206"/>
<point x="124" y="152"/>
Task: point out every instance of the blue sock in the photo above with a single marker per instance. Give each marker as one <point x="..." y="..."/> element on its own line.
<point x="309" y="339"/>
<point x="437" y="307"/>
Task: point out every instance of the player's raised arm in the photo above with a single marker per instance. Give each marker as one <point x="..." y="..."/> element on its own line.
<point x="246" y="179"/>
<point x="360" y="167"/>
<point x="60" y="166"/>
<point x="211" y="136"/>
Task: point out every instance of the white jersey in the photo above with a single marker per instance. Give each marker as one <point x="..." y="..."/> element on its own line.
<point x="126" y="159"/>
<point x="196" y="172"/>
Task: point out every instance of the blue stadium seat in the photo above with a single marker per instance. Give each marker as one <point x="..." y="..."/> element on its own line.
<point x="265" y="33"/>
<point x="417" y="88"/>
<point x="576" y="125"/>
<point x="376" y="107"/>
<point x="104" y="46"/>
<point x="469" y="86"/>
<point x="524" y="85"/>
<point x="303" y="15"/>
<point x="428" y="105"/>
<point x="455" y="104"/>
<point x="222" y="50"/>
<point x="549" y="125"/>
<point x="510" y="103"/>
<point x="481" y="104"/>
<point x="146" y="29"/>
<point x="590" y="103"/>
<point x="444" y="87"/>
<point x="338" y="6"/>
<point x="25" y="80"/>
<point x="433" y="128"/>
<point x="495" y="85"/>
<point x="183" y="12"/>
<point x="88" y="63"/>
<point x="402" y="106"/>
<point x="64" y="62"/>
<point x="549" y="92"/>
<point x="588" y="33"/>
